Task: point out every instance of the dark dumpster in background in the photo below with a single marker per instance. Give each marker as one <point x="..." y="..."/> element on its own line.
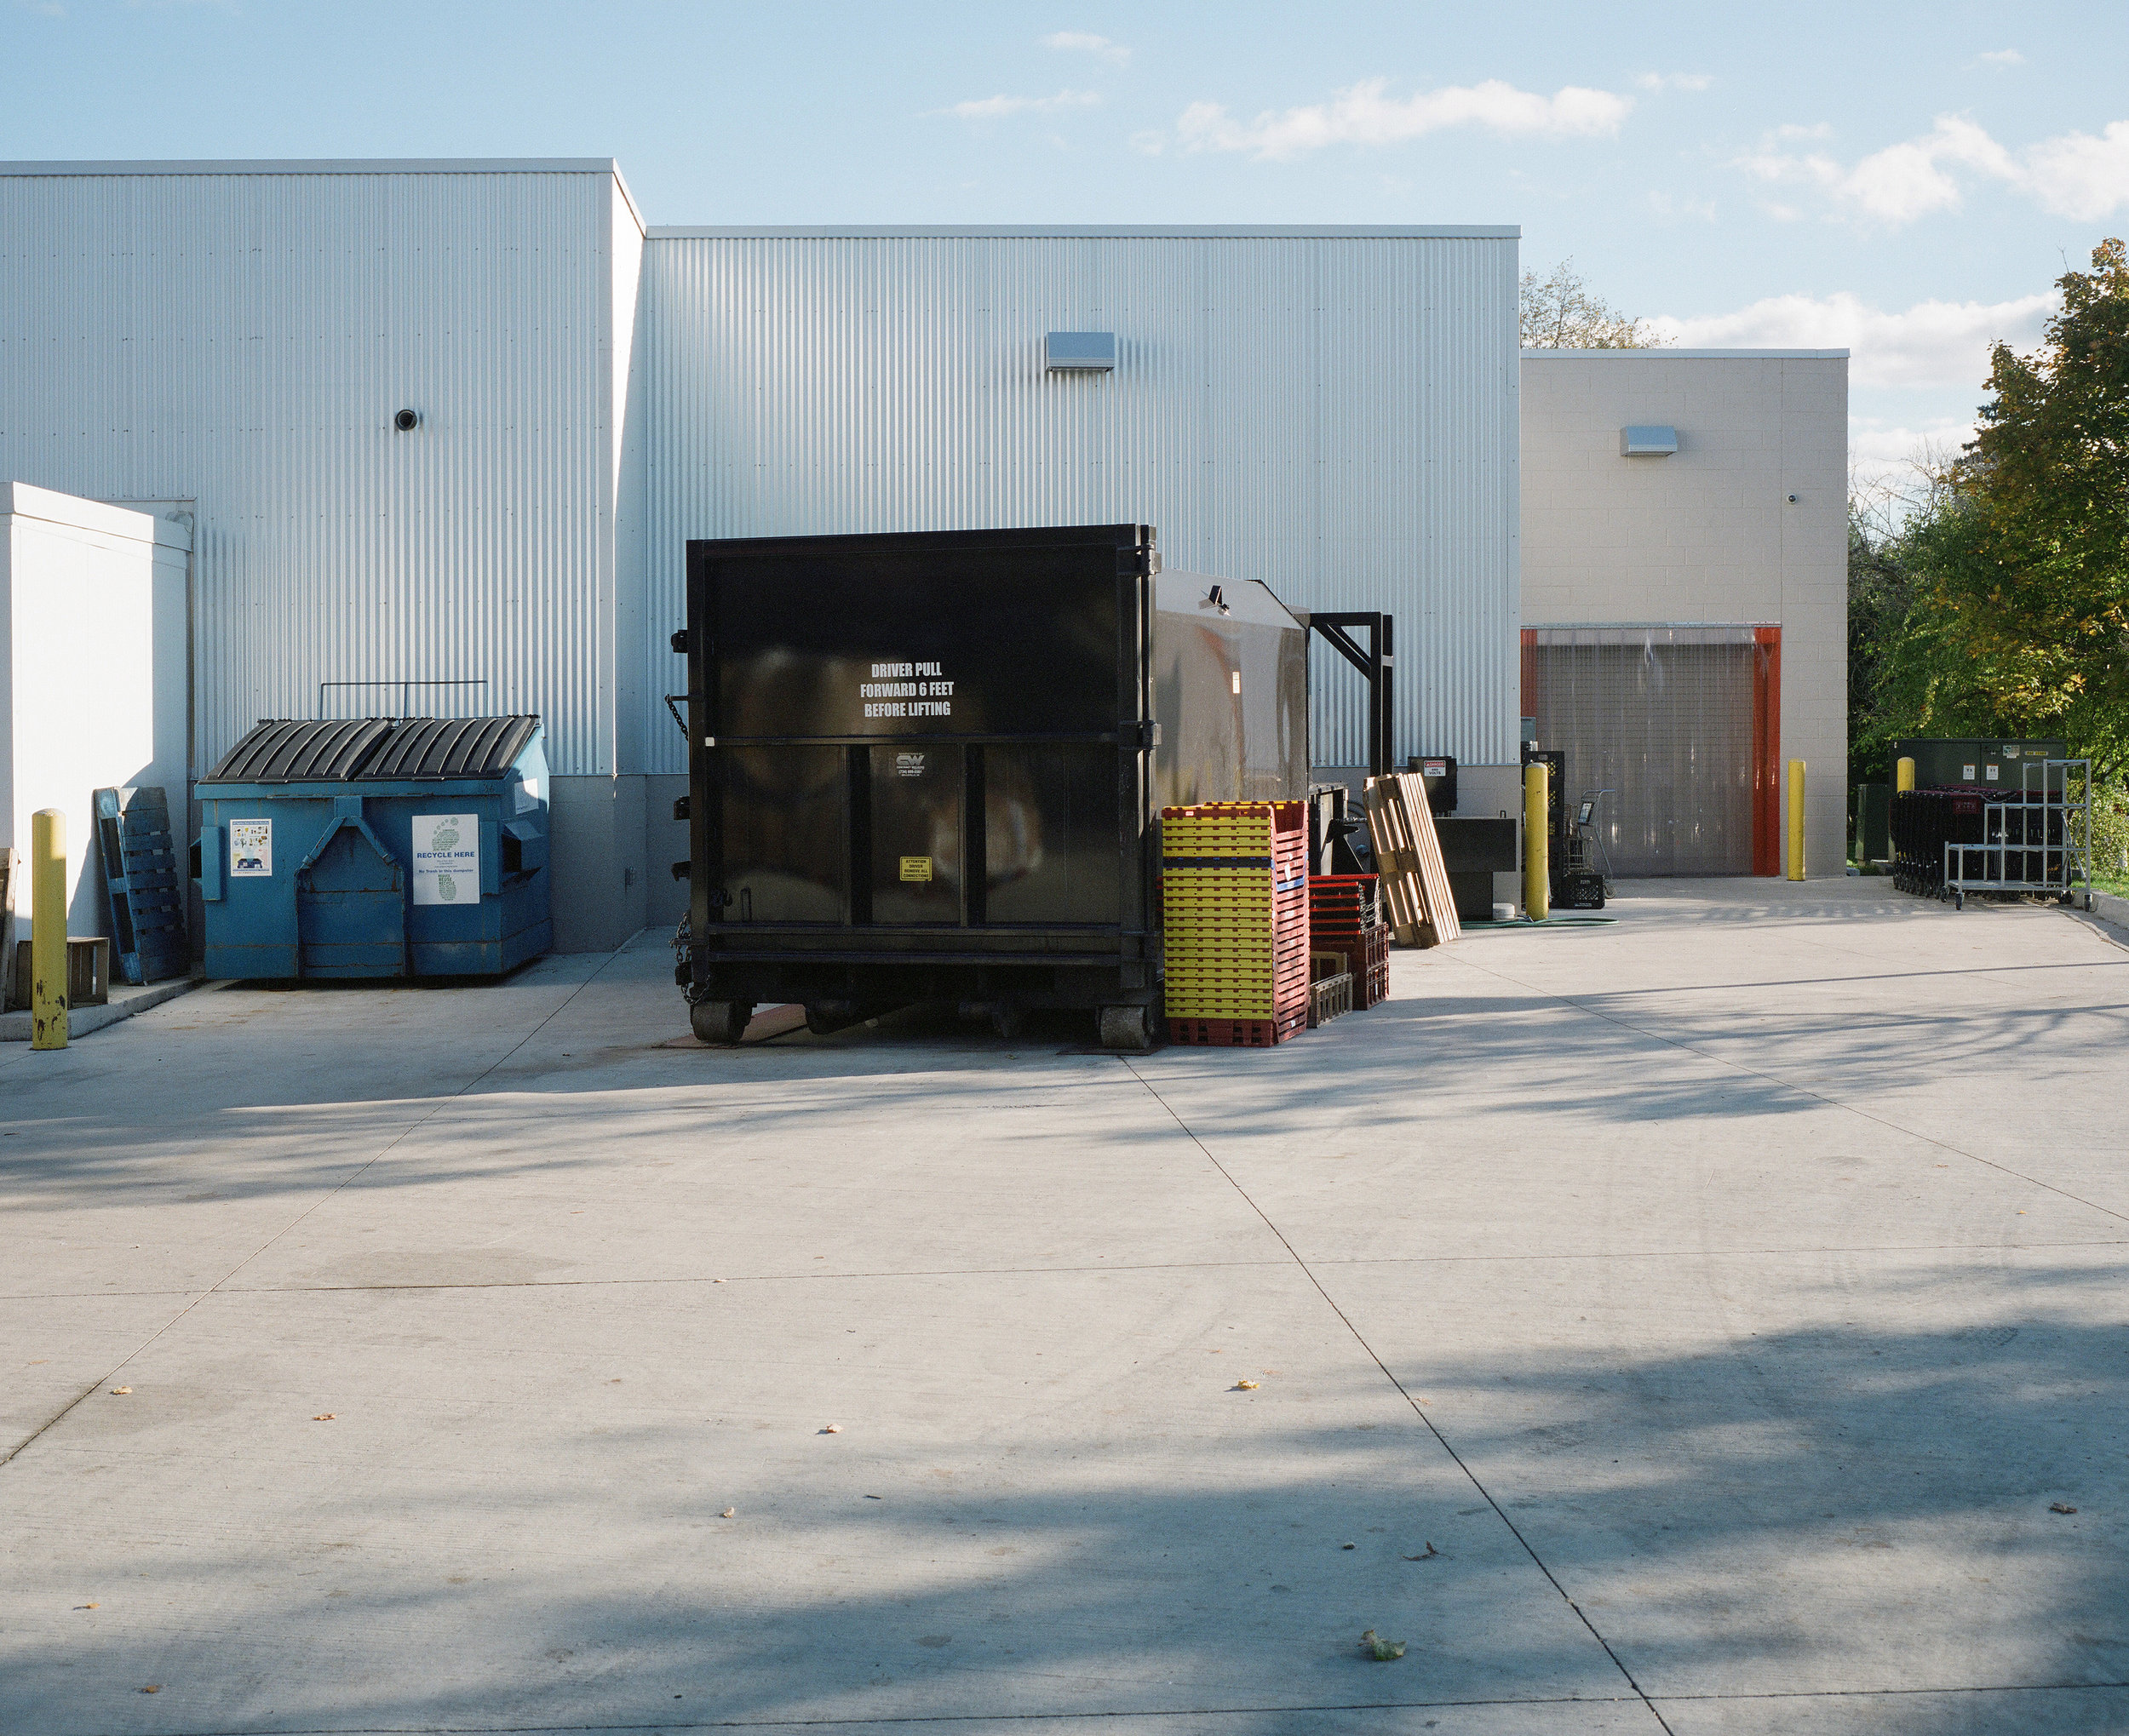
<point x="376" y="847"/>
<point x="930" y="766"/>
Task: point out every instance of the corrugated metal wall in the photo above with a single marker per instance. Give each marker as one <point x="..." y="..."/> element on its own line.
<point x="1334" y="415"/>
<point x="242" y="340"/>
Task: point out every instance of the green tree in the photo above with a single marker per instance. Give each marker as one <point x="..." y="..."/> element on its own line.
<point x="1880" y="591"/>
<point x="2031" y="568"/>
<point x="1994" y="599"/>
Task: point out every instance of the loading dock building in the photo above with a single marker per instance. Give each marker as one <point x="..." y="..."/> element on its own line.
<point x="1685" y="596"/>
<point x="441" y="430"/>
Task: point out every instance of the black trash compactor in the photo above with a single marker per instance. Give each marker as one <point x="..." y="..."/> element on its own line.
<point x="930" y="766"/>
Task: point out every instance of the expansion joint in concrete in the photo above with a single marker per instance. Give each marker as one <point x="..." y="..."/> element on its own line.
<point x="1405" y="1393"/>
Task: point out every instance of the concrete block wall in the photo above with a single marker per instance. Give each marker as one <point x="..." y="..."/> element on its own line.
<point x="1709" y="533"/>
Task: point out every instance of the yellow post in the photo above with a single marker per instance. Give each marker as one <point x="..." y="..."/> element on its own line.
<point x="1796" y="819"/>
<point x="1537" y="868"/>
<point x="1903" y="775"/>
<point x="48" y="928"/>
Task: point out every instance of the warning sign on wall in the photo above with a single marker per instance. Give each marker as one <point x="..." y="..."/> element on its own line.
<point x="446" y="858"/>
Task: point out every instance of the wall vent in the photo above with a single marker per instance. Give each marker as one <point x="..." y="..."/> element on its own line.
<point x="1647" y="442"/>
<point x="1080" y="352"/>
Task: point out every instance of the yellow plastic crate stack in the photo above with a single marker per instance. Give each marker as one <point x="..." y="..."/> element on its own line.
<point x="1235" y="918"/>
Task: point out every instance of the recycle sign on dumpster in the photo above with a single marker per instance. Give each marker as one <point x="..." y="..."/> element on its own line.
<point x="446" y="858"/>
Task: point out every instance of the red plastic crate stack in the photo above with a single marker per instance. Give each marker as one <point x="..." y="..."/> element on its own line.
<point x="1345" y="915"/>
<point x="1235" y="922"/>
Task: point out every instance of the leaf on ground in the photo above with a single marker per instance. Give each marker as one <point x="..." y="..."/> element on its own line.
<point x="2060" y="1507"/>
<point x="1243" y="1386"/>
<point x="84" y="1606"/>
<point x="1431" y="1552"/>
<point x="1381" y="1650"/>
<point x="120" y="1392"/>
<point x="729" y="1513"/>
<point x="833" y="1429"/>
<point x="152" y="1687"/>
<point x="325" y="1417"/>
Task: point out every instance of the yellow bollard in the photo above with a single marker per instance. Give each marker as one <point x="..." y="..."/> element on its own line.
<point x="48" y="928"/>
<point x="1537" y="867"/>
<point x="1796" y="819"/>
<point x="1903" y="775"/>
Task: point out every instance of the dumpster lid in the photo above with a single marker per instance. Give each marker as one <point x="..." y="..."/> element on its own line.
<point x="300" y="750"/>
<point x="449" y="748"/>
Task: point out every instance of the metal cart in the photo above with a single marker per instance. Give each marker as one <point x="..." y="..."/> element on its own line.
<point x="2038" y="843"/>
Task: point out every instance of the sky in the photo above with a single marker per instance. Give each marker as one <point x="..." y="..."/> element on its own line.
<point x="1902" y="181"/>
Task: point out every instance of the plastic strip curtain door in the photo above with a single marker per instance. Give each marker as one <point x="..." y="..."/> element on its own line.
<point x="1664" y="717"/>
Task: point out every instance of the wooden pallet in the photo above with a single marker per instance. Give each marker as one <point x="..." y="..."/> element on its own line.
<point x="1408" y="857"/>
<point x="145" y="889"/>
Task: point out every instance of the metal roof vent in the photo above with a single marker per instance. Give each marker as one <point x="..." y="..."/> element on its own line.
<point x="1647" y="442"/>
<point x="1080" y="352"/>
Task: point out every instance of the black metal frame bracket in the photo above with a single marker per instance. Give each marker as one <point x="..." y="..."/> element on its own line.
<point x="1377" y="664"/>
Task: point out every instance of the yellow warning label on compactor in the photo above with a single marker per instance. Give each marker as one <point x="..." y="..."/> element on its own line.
<point x="916" y="868"/>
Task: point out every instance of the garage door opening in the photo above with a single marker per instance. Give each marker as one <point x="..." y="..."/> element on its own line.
<point x="1681" y="724"/>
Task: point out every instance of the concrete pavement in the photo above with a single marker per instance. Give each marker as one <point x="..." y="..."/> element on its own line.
<point x="1714" y="1302"/>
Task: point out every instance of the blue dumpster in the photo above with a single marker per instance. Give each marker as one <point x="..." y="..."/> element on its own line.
<point x="376" y="847"/>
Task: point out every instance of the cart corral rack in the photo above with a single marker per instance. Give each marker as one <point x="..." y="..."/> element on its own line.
<point x="2039" y="842"/>
<point x="2036" y="842"/>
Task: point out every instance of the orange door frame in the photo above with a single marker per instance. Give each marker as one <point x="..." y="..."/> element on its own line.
<point x="1766" y="750"/>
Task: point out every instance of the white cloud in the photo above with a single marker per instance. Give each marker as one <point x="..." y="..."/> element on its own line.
<point x="1823" y="129"/>
<point x="1361" y="114"/>
<point x="1888" y="457"/>
<point x="1674" y="80"/>
<point x="992" y="108"/>
<point x="1877" y="445"/>
<point x="2080" y="176"/>
<point x="1941" y="343"/>
<point x="2075" y="175"/>
<point x="1081" y="42"/>
<point x="1671" y="210"/>
<point x="2002" y="57"/>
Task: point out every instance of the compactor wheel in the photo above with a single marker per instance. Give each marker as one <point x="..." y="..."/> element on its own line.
<point x="720" y="1021"/>
<point x="1126" y="1028"/>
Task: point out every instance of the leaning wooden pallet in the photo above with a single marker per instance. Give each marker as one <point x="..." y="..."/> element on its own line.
<point x="1408" y="857"/>
<point x="1396" y="860"/>
<point x="1441" y="897"/>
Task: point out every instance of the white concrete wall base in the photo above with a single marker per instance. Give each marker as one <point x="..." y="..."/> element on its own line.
<point x="597" y="899"/>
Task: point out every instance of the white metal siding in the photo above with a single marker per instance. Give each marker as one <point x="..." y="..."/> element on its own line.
<point x="1334" y="415"/>
<point x="242" y="340"/>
